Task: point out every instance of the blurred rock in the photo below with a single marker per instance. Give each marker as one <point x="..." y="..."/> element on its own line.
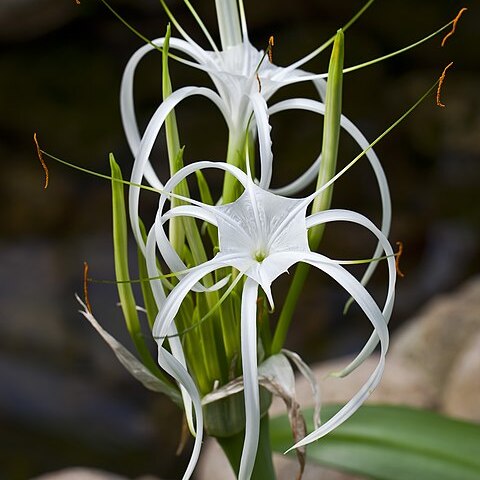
<point x="436" y="339"/>
<point x="461" y="396"/>
<point x="434" y="362"/>
<point x="78" y="473"/>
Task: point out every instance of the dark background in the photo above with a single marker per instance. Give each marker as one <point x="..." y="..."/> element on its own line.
<point x="64" y="399"/>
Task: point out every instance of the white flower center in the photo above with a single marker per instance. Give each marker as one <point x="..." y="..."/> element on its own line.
<point x="260" y="224"/>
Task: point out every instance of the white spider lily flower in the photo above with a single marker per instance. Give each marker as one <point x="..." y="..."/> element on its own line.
<point x="262" y="235"/>
<point x="244" y="82"/>
<point x="142" y="167"/>
<point x="244" y="79"/>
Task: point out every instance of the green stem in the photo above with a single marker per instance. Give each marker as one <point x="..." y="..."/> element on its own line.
<point x="286" y="315"/>
<point x="231" y="186"/>
<point x="233" y="446"/>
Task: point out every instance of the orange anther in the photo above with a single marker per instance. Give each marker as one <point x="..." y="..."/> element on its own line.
<point x="397" y="259"/>
<point x="440" y="83"/>
<point x="271" y="43"/>
<point x="77" y="2"/>
<point x="454" y="25"/>
<point x="85" y="286"/>
<point x="42" y="161"/>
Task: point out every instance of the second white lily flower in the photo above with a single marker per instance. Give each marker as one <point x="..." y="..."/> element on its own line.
<point x="262" y="235"/>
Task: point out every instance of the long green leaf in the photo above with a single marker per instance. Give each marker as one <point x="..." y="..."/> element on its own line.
<point x="331" y="136"/>
<point x="125" y="292"/>
<point x="176" y="233"/>
<point x="393" y="443"/>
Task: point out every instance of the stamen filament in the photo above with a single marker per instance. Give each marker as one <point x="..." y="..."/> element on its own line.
<point x="100" y="175"/>
<point x="397" y="52"/>
<point x="145" y="39"/>
<point x="266" y="53"/>
<point x="201" y="25"/>
<point x="138" y="280"/>
<point x="326" y="44"/>
<point x="347" y="167"/>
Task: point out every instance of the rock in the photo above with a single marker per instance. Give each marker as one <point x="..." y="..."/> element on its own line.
<point x="432" y="342"/>
<point x="433" y="362"/>
<point x="461" y="397"/>
<point x="78" y="473"/>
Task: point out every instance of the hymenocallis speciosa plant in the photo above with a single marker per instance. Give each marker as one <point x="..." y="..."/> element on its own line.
<point x="206" y="265"/>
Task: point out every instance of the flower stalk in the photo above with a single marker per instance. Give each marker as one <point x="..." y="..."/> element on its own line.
<point x="263" y="467"/>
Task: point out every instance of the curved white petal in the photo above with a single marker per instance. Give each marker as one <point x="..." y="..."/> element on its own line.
<point x="159" y="296"/>
<point x="178" y="353"/>
<point x="250" y="378"/>
<point x="321" y="86"/>
<point x="348" y="216"/>
<point x="173" y="260"/>
<point x="174" y="368"/>
<point x="190" y="211"/>
<point x="164" y="326"/>
<point x="127" y="106"/>
<point x="349" y="126"/>
<point x="148" y="140"/>
<point x="301" y="182"/>
<point x="373" y="313"/>
<point x="260" y="110"/>
<point x="175" y="298"/>
<point x="171" y="257"/>
<point x="152" y="269"/>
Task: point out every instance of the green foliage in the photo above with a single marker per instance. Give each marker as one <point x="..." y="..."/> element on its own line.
<point x="393" y="443"/>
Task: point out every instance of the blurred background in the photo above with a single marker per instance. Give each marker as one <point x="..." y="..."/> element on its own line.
<point x="64" y="398"/>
